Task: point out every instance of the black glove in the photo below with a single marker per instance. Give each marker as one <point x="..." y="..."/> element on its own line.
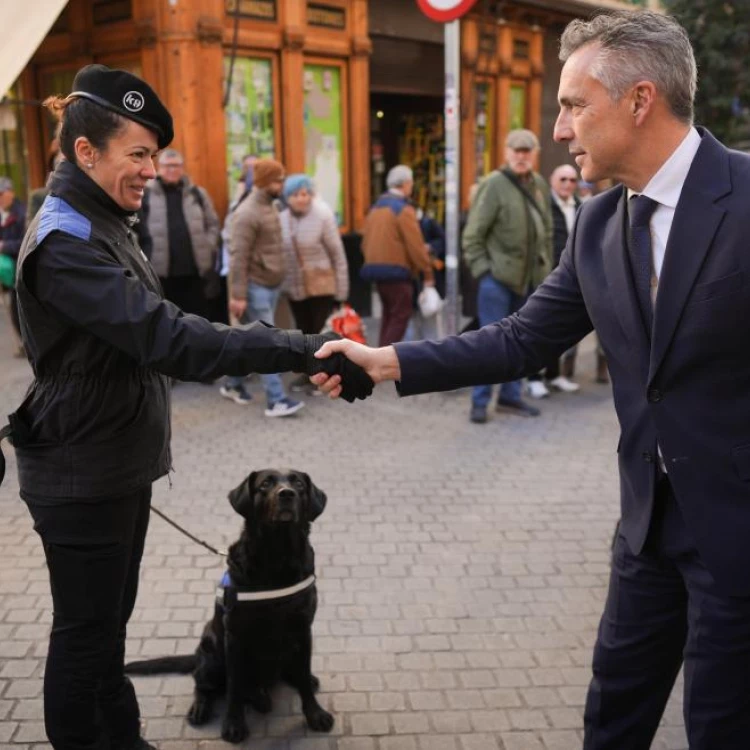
<point x="355" y="382"/>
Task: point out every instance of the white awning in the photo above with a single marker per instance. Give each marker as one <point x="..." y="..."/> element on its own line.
<point x="24" y="29"/>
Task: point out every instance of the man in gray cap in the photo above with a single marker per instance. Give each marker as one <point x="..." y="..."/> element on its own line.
<point x="507" y="245"/>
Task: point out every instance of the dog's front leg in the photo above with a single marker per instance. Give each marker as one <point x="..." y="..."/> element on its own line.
<point x="301" y="677"/>
<point x="234" y="727"/>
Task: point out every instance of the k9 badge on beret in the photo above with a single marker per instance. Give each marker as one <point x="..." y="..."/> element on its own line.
<point x="126" y="94"/>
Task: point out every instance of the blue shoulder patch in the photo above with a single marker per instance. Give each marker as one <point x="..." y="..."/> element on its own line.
<point x="56" y="215"/>
<point x="394" y="202"/>
<point x="225" y="581"/>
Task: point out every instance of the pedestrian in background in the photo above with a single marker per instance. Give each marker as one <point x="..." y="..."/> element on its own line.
<point x="564" y="204"/>
<point x="256" y="271"/>
<point x="179" y="232"/>
<point x="395" y="253"/>
<point x="12" y="228"/>
<point x="317" y="274"/>
<point x="507" y="245"/>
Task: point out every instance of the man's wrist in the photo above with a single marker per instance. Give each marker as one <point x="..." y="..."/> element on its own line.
<point x="390" y="367"/>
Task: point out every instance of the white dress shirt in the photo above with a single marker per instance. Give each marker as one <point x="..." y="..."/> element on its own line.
<point x="568" y="208"/>
<point x="665" y="188"/>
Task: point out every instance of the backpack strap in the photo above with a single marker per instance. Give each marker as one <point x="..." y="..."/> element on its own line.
<point x="513" y="179"/>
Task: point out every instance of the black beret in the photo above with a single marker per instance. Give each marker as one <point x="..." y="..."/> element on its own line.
<point x="126" y="94"/>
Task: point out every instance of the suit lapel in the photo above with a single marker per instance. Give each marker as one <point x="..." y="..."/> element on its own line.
<point x="696" y="220"/>
<point x="620" y="277"/>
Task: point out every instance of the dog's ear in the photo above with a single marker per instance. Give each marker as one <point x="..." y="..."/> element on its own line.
<point x="241" y="497"/>
<point x="316" y="499"/>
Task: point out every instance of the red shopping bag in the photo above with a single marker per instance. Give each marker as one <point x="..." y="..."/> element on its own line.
<point x="347" y="322"/>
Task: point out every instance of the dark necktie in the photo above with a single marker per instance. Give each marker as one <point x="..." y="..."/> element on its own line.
<point x="640" y="211"/>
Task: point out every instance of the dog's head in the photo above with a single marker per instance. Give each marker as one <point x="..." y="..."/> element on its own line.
<point x="278" y="496"/>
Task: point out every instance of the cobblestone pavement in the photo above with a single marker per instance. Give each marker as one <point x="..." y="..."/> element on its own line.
<point x="462" y="569"/>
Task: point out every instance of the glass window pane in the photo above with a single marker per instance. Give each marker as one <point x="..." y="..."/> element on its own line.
<point x="324" y="134"/>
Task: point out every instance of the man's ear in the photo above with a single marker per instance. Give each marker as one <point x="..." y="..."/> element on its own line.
<point x="316" y="499"/>
<point x="241" y="497"/>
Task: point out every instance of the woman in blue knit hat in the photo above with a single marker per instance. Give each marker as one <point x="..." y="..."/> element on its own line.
<point x="317" y="273"/>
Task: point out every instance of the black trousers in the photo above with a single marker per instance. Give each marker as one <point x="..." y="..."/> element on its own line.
<point x="311" y="314"/>
<point x="664" y="609"/>
<point x="93" y="552"/>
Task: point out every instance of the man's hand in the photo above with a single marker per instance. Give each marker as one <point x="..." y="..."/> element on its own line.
<point x="380" y="364"/>
<point x="237" y="307"/>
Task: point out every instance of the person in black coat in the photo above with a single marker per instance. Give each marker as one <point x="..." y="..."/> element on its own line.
<point x="93" y="432"/>
<point x="12" y="228"/>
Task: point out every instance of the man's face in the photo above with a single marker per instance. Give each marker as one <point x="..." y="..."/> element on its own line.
<point x="274" y="188"/>
<point x="520" y="160"/>
<point x="6" y="199"/>
<point x="564" y="182"/>
<point x="407" y="188"/>
<point x="600" y="133"/>
<point x="171" y="169"/>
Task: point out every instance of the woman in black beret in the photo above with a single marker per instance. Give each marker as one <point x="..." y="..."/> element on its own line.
<point x="93" y="431"/>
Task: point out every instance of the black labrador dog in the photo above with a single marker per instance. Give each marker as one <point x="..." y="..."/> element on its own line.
<point x="261" y="631"/>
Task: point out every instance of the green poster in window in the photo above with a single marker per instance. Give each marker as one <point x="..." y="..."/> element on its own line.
<point x="517" y="107"/>
<point x="249" y="113"/>
<point x="324" y="134"/>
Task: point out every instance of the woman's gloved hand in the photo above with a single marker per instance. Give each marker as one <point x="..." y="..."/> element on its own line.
<point x="355" y="382"/>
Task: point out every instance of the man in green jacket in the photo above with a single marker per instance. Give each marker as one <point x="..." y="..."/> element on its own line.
<point x="507" y="245"/>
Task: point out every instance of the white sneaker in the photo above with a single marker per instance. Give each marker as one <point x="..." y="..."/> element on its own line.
<point x="284" y="408"/>
<point x="561" y="383"/>
<point x="536" y="389"/>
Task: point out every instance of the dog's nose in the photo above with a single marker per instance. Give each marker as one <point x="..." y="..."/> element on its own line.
<point x="287" y="495"/>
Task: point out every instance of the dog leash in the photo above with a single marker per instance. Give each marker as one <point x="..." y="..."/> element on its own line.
<point x="179" y="528"/>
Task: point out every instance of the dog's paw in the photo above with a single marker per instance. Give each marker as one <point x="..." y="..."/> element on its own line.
<point x="314" y="683"/>
<point x="261" y="701"/>
<point x="199" y="713"/>
<point x="318" y="719"/>
<point x="234" y="729"/>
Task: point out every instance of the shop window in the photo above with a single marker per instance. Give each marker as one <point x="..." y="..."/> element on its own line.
<point x="521" y="49"/>
<point x="249" y="113"/>
<point x="324" y="134"/>
<point x="258" y="10"/>
<point x="326" y="16"/>
<point x="517" y="106"/>
<point x="423" y="149"/>
<point x="109" y="11"/>
<point x="484" y="127"/>
<point x="12" y="148"/>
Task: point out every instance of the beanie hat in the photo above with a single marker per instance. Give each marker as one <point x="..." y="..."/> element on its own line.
<point x="267" y="171"/>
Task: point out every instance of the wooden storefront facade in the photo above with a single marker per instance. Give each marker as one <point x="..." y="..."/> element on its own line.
<point x="290" y="78"/>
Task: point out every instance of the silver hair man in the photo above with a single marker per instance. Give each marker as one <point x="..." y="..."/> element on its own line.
<point x="170" y="153"/>
<point x="638" y="46"/>
<point x="399" y="176"/>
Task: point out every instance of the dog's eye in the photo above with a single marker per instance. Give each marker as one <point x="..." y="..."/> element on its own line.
<point x="299" y="482"/>
<point x="265" y="484"/>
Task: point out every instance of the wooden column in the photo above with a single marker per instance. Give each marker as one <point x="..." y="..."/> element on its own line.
<point x="182" y="59"/>
<point x="292" y="75"/>
<point x="469" y="59"/>
<point x="535" y="84"/>
<point x="359" y="103"/>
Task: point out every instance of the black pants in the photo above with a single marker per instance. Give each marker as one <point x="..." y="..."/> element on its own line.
<point x="664" y="608"/>
<point x="93" y="552"/>
<point x="187" y="293"/>
<point x="311" y="314"/>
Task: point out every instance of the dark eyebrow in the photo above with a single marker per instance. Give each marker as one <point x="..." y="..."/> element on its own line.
<point x="566" y="101"/>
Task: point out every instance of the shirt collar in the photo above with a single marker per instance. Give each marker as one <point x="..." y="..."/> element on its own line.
<point x="564" y="202"/>
<point x="666" y="185"/>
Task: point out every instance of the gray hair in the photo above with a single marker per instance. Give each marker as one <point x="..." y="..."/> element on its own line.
<point x="398" y="176"/>
<point x="637" y="46"/>
<point x="170" y="153"/>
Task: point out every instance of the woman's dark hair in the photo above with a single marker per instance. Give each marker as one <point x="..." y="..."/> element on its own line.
<point x="83" y="118"/>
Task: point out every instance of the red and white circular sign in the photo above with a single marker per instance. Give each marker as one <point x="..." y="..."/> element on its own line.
<point x="445" y="10"/>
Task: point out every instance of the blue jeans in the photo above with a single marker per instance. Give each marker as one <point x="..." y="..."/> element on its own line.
<point x="261" y="305"/>
<point x="495" y="302"/>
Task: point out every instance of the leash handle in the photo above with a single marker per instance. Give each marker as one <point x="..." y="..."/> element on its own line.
<point x="187" y="533"/>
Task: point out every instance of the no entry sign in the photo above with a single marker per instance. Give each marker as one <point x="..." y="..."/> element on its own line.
<point x="445" y="10"/>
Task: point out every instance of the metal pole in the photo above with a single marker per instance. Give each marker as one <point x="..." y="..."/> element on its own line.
<point x="452" y="163"/>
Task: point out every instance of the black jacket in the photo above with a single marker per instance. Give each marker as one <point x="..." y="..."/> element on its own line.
<point x="11" y="231"/>
<point x="102" y="344"/>
<point x="560" y="229"/>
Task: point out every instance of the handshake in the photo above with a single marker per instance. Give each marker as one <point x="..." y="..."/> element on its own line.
<point x="352" y="379"/>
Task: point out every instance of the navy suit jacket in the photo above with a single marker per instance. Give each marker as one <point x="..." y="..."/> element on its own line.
<point x="687" y="389"/>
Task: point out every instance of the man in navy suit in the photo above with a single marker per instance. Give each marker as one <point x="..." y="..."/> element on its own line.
<point x="660" y="267"/>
